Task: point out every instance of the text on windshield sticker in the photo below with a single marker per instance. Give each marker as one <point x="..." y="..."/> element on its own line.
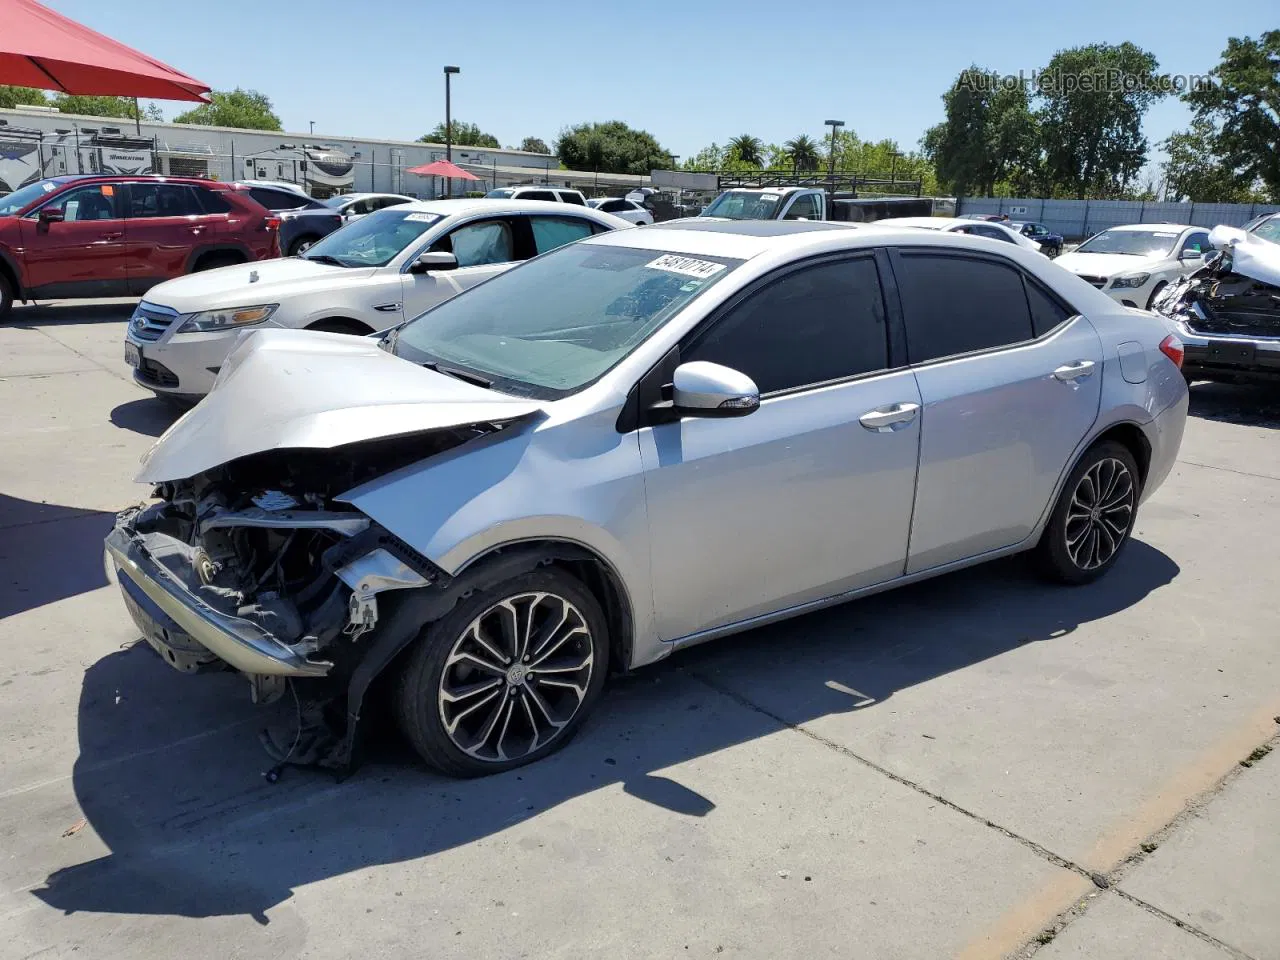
<point x="419" y="217"/>
<point x="688" y="266"/>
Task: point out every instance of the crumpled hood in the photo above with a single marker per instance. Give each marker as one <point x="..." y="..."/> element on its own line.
<point x="234" y="287"/>
<point x="1105" y="264"/>
<point x="1251" y="256"/>
<point x="282" y="389"/>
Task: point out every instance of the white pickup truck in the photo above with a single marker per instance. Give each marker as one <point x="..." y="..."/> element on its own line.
<point x="811" y="203"/>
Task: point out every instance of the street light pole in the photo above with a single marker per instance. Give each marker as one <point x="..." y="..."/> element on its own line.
<point x="448" y="127"/>
<point x="313" y="127"/>
<point x="831" y="159"/>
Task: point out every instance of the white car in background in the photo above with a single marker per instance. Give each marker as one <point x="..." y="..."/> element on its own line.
<point x="1131" y="264"/>
<point x="974" y="228"/>
<point x="627" y="209"/>
<point x="353" y="206"/>
<point x="386" y="267"/>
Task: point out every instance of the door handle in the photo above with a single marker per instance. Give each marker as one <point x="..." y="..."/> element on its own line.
<point x="887" y="419"/>
<point x="197" y="230"/>
<point x="1071" y="372"/>
<point x="111" y="236"/>
<point x="388" y="307"/>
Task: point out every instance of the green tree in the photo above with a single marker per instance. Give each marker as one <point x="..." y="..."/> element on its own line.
<point x="746" y="148"/>
<point x="1091" y="103"/>
<point x="706" y="160"/>
<point x="464" y="135"/>
<point x="244" y="109"/>
<point x="1243" y="103"/>
<point x="534" y="145"/>
<point x="610" y="147"/>
<point x="121" y="107"/>
<point x="803" y="152"/>
<point x="989" y="134"/>
<point x="1195" y="172"/>
<point x="11" y="97"/>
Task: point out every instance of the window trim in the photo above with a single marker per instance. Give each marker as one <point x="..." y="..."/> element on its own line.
<point x="894" y="255"/>
<point x="194" y="201"/>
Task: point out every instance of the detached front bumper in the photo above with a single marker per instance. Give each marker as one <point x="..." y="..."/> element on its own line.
<point x="238" y="642"/>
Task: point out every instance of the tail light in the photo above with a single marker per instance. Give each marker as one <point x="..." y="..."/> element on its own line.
<point x="1172" y="348"/>
<point x="271" y="223"/>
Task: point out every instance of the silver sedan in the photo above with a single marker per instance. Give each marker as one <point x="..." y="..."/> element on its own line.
<point x="632" y="444"/>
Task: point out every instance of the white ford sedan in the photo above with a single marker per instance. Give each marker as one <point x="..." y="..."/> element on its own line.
<point x="364" y="277"/>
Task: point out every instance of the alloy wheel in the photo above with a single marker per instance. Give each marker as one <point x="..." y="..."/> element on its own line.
<point x="1100" y="513"/>
<point x="516" y="676"/>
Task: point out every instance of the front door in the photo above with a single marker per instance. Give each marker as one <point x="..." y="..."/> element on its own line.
<point x="165" y="224"/>
<point x="1010" y="383"/>
<point x="83" y="254"/>
<point x="484" y="248"/>
<point x="809" y="496"/>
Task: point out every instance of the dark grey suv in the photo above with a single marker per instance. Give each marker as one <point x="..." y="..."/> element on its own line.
<point x="303" y="219"/>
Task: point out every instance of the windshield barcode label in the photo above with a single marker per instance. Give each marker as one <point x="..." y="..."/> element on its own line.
<point x="702" y="269"/>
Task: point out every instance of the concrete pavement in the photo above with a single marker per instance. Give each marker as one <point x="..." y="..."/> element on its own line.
<point x="938" y="771"/>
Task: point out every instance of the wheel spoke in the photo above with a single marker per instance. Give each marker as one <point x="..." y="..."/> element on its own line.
<point x="532" y="694"/>
<point x="509" y="623"/>
<point x="509" y="708"/>
<point x="477" y="634"/>
<point x="580" y="691"/>
<point x="566" y="665"/>
<point x="470" y="659"/>
<point x="470" y="690"/>
<point x="550" y="648"/>
<point x="452" y="726"/>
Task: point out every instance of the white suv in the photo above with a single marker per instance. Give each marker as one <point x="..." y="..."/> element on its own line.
<point x="627" y="209"/>
<point x="388" y="266"/>
<point x="1133" y="263"/>
<point x="552" y="194"/>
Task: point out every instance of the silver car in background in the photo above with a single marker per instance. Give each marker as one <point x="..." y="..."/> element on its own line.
<point x="632" y="444"/>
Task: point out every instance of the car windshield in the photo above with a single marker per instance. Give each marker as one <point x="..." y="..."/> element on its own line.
<point x="1267" y="230"/>
<point x="13" y="202"/>
<point x="1134" y="243"/>
<point x="375" y="240"/>
<point x="555" y="324"/>
<point x="744" y="205"/>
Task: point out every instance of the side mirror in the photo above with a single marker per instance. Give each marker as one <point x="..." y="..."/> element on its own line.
<point x="703" y="389"/>
<point x="49" y="215"/>
<point x="1191" y="255"/>
<point x="434" y="260"/>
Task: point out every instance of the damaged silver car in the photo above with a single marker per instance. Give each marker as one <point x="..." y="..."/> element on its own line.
<point x="632" y="444"/>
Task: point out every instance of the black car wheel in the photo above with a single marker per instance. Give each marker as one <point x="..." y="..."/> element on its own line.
<point x="1093" y="517"/>
<point x="301" y="245"/>
<point x="507" y="676"/>
<point x="6" y="296"/>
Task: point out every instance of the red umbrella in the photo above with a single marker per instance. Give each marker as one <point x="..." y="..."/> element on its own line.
<point x="443" y="168"/>
<point x="43" y="49"/>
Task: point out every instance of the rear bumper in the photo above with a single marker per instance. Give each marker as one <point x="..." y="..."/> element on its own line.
<point x="188" y="619"/>
<point x="1229" y="357"/>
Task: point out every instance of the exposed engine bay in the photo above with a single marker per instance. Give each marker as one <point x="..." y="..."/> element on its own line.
<point x="1236" y="292"/>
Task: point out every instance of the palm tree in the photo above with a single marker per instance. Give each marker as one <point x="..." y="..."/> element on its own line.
<point x="747" y="149"/>
<point x="803" y="151"/>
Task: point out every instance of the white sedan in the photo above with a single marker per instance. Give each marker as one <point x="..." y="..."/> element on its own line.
<point x="1132" y="264"/>
<point x="371" y="274"/>
<point x="629" y="210"/>
<point x="353" y="206"/>
<point x="974" y="228"/>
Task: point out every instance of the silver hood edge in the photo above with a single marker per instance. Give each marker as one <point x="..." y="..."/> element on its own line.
<point x="295" y="389"/>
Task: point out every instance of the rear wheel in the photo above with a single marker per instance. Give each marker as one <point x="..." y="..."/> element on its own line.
<point x="301" y="245"/>
<point x="6" y="296"/>
<point x="506" y="677"/>
<point x="1093" y="517"/>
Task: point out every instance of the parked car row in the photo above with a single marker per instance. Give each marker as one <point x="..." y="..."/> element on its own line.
<point x="639" y="440"/>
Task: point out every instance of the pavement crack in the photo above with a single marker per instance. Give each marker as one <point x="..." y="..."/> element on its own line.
<point x="85" y="357"/>
<point x="79" y="514"/>
<point x="1183" y="925"/>
<point x="1214" y="466"/>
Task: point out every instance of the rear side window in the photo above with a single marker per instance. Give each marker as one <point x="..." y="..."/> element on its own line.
<point x="613" y="206"/>
<point x="571" y="197"/>
<point x="817" y="324"/>
<point x="993" y="233"/>
<point x="162" y="200"/>
<point x="278" y="199"/>
<point x="212" y="201"/>
<point x="960" y="304"/>
<point x="537" y="195"/>
<point x="1046" y="312"/>
<point x="552" y="232"/>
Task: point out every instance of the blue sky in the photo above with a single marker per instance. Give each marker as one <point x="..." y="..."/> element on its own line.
<point x="690" y="72"/>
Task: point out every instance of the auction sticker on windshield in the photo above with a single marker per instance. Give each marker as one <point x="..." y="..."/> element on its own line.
<point x="420" y="217"/>
<point x="688" y="266"/>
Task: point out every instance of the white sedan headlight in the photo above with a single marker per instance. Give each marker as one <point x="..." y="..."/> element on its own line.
<point x="227" y="319"/>
<point x="1134" y="280"/>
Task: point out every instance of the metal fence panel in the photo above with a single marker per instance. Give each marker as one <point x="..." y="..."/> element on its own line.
<point x="1077" y="219"/>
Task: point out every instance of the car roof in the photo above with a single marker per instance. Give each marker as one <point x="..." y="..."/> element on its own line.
<point x="929" y="223"/>
<point x="276" y="185"/>
<point x="1155" y="226"/>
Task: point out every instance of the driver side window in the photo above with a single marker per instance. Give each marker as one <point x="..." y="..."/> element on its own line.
<point x="476" y="244"/>
<point x="97" y="202"/>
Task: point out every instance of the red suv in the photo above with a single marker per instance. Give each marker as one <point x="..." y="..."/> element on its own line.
<point x="114" y="236"/>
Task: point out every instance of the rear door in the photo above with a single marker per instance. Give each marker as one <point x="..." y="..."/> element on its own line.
<point x="165" y="223"/>
<point x="83" y="255"/>
<point x="1010" y="381"/>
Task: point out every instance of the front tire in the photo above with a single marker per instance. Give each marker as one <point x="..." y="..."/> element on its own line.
<point x="1156" y="293"/>
<point x="1094" y="515"/>
<point x="507" y="677"/>
<point x="6" y="297"/>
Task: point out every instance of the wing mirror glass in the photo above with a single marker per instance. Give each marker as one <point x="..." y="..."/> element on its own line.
<point x="434" y="260"/>
<point x="704" y="389"/>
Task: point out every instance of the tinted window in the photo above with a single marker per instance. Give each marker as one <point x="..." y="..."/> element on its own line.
<point x="613" y="206"/>
<point x="552" y="232"/>
<point x="212" y="201"/>
<point x="569" y="197"/>
<point x="389" y="202"/>
<point x="991" y="233"/>
<point x="162" y="200"/>
<point x="278" y="199"/>
<point x="98" y="202"/>
<point x="805" y="206"/>
<point x="537" y="195"/>
<point x="1046" y="311"/>
<point x="488" y="241"/>
<point x="817" y="324"/>
<point x="958" y="304"/>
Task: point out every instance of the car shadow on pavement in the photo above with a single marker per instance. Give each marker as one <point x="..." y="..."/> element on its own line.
<point x="149" y="416"/>
<point x="170" y="778"/>
<point x="34" y="315"/>
<point x="1253" y="404"/>
<point x="48" y="552"/>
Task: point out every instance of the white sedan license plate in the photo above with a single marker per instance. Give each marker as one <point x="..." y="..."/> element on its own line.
<point x="132" y="355"/>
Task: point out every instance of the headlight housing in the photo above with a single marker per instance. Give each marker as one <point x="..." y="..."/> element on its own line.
<point x="210" y="321"/>
<point x="1134" y="280"/>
